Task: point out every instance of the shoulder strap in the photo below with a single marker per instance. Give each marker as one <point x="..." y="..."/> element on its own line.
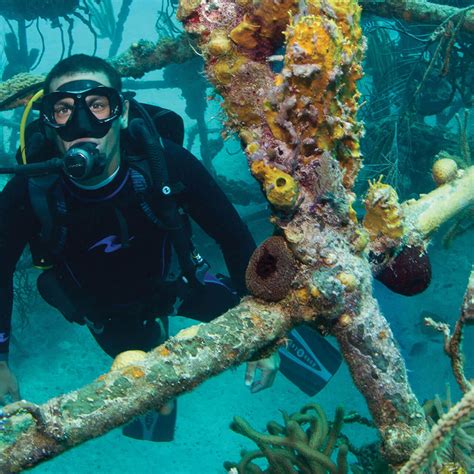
<point x="192" y="264"/>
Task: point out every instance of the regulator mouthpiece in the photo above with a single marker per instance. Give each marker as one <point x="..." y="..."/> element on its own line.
<point x="83" y="161"/>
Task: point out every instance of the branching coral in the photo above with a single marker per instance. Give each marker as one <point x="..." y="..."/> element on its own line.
<point x="453" y="343"/>
<point x="304" y="443"/>
<point x="288" y="122"/>
<point x="444" y="430"/>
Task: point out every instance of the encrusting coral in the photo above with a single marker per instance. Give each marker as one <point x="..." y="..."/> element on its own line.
<point x="301" y="121"/>
<point x="127" y="358"/>
<point x="18" y="90"/>
<point x="304" y="443"/>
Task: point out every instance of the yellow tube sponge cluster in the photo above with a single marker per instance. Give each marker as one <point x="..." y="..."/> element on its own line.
<point x="315" y="99"/>
<point x="384" y="217"/>
<point x="281" y="189"/>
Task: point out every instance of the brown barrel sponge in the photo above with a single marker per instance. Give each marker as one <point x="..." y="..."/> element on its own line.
<point x="271" y="270"/>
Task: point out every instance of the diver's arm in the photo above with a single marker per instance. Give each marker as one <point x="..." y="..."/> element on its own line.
<point x="210" y="208"/>
<point x="16" y="224"/>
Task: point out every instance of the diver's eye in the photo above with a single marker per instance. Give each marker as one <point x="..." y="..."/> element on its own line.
<point x="99" y="106"/>
<point x="62" y="112"/>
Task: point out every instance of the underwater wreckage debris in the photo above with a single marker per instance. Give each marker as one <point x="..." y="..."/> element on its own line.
<point x="32" y="9"/>
<point x="399" y="233"/>
<point x="420" y="11"/>
<point x="313" y="145"/>
<point x="32" y="433"/>
<point x="138" y="59"/>
<point x="302" y="122"/>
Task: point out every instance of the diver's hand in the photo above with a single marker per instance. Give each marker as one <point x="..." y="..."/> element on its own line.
<point x="8" y="385"/>
<point x="268" y="369"/>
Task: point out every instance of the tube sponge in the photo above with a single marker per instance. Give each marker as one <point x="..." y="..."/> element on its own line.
<point x="271" y="270"/>
<point x="281" y="189"/>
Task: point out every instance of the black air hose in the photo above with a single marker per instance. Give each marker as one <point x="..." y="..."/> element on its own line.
<point x="169" y="210"/>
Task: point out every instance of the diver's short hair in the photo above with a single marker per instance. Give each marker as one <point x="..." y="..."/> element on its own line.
<point x="83" y="63"/>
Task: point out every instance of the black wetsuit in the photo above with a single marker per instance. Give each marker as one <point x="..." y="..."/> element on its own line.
<point x="118" y="287"/>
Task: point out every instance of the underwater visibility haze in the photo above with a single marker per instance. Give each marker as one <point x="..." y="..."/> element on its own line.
<point x="326" y="257"/>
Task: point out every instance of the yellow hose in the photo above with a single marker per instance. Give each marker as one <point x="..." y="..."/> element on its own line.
<point x="24" y="118"/>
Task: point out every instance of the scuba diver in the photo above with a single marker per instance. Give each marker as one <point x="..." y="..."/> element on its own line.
<point x="104" y="201"/>
<point x="113" y="220"/>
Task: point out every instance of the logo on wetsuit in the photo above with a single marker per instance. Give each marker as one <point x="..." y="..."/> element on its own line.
<point x="111" y="243"/>
<point x="3" y="337"/>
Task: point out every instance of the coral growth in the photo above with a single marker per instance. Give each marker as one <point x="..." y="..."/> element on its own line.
<point x="127" y="358"/>
<point x="219" y="43"/>
<point x="280" y="187"/>
<point x="451" y="442"/>
<point x="304" y="443"/>
<point x="271" y="270"/>
<point x="444" y="171"/>
<point x="18" y="90"/>
<point x="383" y="216"/>
<point x="310" y="107"/>
<point x="322" y="49"/>
<point x="409" y="273"/>
<point x="144" y="56"/>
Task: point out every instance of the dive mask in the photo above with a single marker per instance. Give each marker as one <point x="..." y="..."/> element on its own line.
<point x="81" y="109"/>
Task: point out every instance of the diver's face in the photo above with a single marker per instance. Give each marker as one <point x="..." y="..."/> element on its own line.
<point x="99" y="106"/>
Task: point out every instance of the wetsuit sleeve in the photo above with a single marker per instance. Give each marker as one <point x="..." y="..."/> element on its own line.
<point x="210" y="208"/>
<point x="16" y="223"/>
